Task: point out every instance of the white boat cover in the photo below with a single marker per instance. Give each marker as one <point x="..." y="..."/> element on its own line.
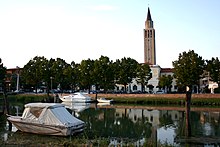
<point x="49" y="114"/>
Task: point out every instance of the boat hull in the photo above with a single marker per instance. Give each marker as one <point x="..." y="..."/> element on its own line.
<point x="43" y="129"/>
<point x="76" y="100"/>
<point x="104" y="101"/>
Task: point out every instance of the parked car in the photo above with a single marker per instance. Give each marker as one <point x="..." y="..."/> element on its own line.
<point x="159" y="92"/>
<point x="136" y="92"/>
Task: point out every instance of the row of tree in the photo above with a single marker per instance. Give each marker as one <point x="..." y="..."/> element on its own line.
<point x="104" y="73"/>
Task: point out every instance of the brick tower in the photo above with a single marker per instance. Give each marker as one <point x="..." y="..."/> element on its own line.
<point x="149" y="41"/>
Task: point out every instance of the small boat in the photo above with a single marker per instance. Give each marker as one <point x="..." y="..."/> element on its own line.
<point x="76" y="97"/>
<point x="104" y="100"/>
<point x="47" y="119"/>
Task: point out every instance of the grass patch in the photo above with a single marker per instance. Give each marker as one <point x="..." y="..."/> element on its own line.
<point x="149" y="101"/>
<point x="166" y="101"/>
<point x="26" y="98"/>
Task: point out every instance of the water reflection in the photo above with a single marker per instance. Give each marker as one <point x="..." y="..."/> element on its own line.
<point x="198" y="130"/>
<point x="123" y="125"/>
<point x="76" y="107"/>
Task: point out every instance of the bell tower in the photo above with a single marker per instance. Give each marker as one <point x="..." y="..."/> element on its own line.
<point x="149" y="41"/>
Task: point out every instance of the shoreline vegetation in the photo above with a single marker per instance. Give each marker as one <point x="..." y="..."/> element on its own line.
<point x="136" y="99"/>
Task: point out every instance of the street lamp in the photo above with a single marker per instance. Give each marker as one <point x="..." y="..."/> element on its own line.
<point x="51" y="83"/>
<point x="17" y="86"/>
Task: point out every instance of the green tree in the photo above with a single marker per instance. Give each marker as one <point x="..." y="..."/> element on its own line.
<point x="188" y="69"/>
<point x="143" y="75"/>
<point x="2" y="76"/>
<point x="104" y="78"/>
<point x="5" y="107"/>
<point x="165" y="82"/>
<point x="72" y="76"/>
<point x="59" y="79"/>
<point x="34" y="71"/>
<point x="213" y="67"/>
<point x="126" y="70"/>
<point x="48" y="74"/>
<point x="86" y="71"/>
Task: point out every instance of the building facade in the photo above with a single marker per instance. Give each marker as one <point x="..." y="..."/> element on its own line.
<point x="152" y="85"/>
<point x="12" y="79"/>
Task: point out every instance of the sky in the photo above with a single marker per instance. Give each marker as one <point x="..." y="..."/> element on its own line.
<point x="76" y="30"/>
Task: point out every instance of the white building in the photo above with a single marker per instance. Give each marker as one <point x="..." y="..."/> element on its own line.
<point x="157" y="71"/>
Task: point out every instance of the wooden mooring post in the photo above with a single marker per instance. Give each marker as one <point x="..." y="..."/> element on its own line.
<point x="188" y="103"/>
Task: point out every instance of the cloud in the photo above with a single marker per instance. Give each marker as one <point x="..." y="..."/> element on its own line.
<point x="103" y="8"/>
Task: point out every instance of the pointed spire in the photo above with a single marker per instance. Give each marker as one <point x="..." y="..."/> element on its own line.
<point x="148" y="14"/>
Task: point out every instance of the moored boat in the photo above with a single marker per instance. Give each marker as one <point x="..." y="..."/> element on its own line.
<point x="47" y="119"/>
<point x="104" y="100"/>
<point x="76" y="97"/>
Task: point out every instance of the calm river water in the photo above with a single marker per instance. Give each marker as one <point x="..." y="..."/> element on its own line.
<point x="123" y="125"/>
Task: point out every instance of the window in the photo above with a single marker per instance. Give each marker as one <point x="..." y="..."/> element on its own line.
<point x="151" y="118"/>
<point x="134" y="87"/>
<point x="175" y="87"/>
<point x="36" y="111"/>
<point x="150" y="33"/>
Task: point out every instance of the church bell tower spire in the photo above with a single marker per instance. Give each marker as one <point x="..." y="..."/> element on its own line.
<point x="149" y="41"/>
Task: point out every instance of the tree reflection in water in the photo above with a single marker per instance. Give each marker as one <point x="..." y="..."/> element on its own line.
<point x="105" y="123"/>
<point x="199" y="128"/>
<point x="127" y="125"/>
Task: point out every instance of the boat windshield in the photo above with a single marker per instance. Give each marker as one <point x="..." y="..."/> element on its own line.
<point x="36" y="111"/>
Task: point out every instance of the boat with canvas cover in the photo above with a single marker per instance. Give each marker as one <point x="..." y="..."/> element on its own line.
<point x="47" y="119"/>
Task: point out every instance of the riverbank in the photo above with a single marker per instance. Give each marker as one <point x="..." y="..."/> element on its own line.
<point x="158" y="99"/>
<point x="149" y="99"/>
<point x="175" y="96"/>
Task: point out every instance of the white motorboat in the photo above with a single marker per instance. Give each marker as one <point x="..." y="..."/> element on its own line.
<point x="104" y="100"/>
<point x="47" y="119"/>
<point x="76" y="97"/>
